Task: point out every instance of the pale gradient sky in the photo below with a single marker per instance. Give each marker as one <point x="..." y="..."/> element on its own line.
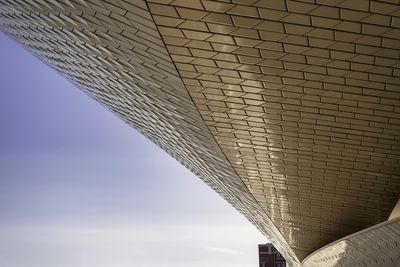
<point x="79" y="188"/>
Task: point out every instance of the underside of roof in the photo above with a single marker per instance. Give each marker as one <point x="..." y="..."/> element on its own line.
<point x="290" y="110"/>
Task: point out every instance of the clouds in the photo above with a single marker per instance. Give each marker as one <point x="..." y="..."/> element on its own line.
<point x="224" y="250"/>
<point x="137" y="245"/>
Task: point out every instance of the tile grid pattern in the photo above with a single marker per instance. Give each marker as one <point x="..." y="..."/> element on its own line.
<point x="113" y="51"/>
<point x="375" y="246"/>
<point x="303" y="98"/>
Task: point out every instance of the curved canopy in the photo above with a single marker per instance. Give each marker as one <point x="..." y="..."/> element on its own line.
<point x="288" y="109"/>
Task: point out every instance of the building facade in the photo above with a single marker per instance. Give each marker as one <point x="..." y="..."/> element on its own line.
<point x="270" y="257"/>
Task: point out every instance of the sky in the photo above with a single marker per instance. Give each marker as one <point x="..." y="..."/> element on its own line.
<point x="80" y="188"/>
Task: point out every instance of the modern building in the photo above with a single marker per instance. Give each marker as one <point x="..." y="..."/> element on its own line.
<point x="290" y="110"/>
<point x="269" y="256"/>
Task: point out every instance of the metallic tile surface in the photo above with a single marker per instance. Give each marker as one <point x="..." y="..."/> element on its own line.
<point x="288" y="109"/>
<point x="303" y="98"/>
<point x="113" y="51"/>
<point x="377" y="246"/>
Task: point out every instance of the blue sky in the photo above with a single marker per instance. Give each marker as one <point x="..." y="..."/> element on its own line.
<point x="80" y="188"/>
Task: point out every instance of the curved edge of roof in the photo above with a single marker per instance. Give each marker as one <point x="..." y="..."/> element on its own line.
<point x="375" y="246"/>
<point x="142" y="97"/>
